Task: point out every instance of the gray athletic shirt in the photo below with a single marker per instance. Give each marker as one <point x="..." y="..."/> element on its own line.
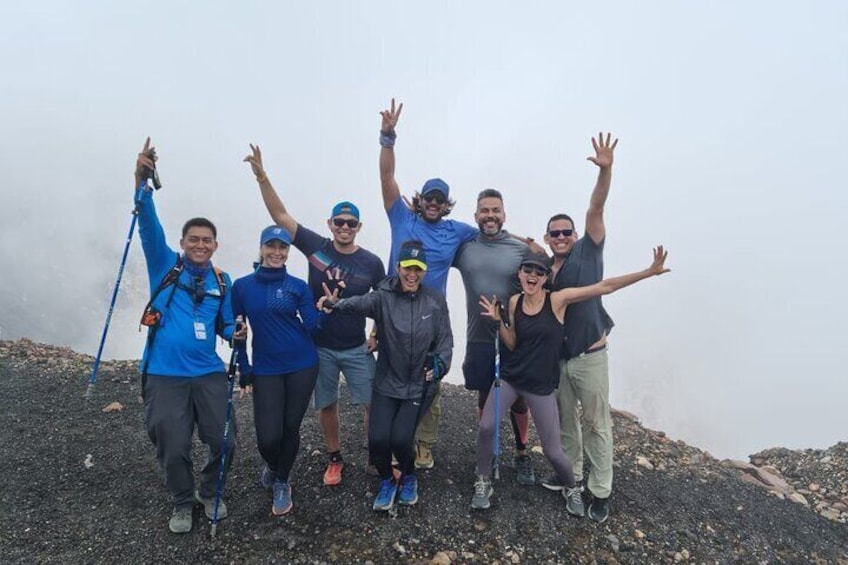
<point x="488" y="266"/>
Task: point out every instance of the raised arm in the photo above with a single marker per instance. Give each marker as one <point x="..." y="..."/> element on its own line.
<point x="158" y="255"/>
<point x="603" y="158"/>
<point x="562" y="298"/>
<point x="391" y="190"/>
<point x="493" y="310"/>
<point x="275" y="206"/>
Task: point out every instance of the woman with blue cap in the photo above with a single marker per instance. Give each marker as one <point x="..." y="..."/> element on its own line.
<point x="282" y="316"/>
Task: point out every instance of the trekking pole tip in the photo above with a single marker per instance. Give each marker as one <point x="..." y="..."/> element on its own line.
<point x="89" y="391"/>
<point x="212" y="530"/>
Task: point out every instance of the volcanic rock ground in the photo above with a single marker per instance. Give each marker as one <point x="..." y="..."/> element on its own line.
<point x="80" y="485"/>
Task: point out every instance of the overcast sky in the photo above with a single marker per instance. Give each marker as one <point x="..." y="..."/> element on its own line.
<point x="731" y="120"/>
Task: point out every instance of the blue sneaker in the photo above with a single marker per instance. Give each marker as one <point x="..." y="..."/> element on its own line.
<point x="408" y="490"/>
<point x="282" y="498"/>
<point x="386" y="497"/>
<point x="267" y="478"/>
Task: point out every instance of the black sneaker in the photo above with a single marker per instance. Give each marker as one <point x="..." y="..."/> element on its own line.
<point x="524" y="470"/>
<point x="599" y="509"/>
<point x="553" y="483"/>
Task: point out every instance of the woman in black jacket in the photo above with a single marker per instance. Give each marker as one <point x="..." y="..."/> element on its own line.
<point x="413" y="329"/>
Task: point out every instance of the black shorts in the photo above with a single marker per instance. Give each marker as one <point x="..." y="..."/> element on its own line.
<point x="478" y="368"/>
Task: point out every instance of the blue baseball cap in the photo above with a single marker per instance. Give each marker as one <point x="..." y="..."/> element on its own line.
<point x="274" y="232"/>
<point x="345" y="207"/>
<point x="436" y="184"/>
<point x="413" y="256"/>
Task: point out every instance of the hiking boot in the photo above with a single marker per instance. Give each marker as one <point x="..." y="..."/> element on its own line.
<point x="524" y="470"/>
<point x="482" y="491"/>
<point x="408" y="494"/>
<point x="180" y="522"/>
<point x="553" y="483"/>
<point x="423" y="456"/>
<point x="386" y="497"/>
<point x="574" y="501"/>
<point x="333" y="474"/>
<point x="282" y="498"/>
<point x="209" y="506"/>
<point x="267" y="478"/>
<point x="599" y="509"/>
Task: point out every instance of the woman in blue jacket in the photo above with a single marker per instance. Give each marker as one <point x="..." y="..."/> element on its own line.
<point x="281" y="313"/>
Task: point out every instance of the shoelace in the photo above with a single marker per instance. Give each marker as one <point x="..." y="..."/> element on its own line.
<point x="480" y="487"/>
<point x="573" y="495"/>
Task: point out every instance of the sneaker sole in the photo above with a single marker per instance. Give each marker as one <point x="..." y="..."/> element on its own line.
<point x="425" y="465"/>
<point x="332" y="482"/>
<point x="554" y="488"/>
<point x="384" y="508"/>
<point x="408" y="503"/>
<point x="526" y="482"/>
<point x="274" y="511"/>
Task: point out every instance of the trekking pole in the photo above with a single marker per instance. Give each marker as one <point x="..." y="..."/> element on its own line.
<point x="92" y="379"/>
<point x="427" y="386"/>
<point x="496" y="473"/>
<point x="219" y="486"/>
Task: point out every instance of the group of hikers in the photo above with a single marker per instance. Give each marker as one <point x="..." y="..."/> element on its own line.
<point x="536" y="336"/>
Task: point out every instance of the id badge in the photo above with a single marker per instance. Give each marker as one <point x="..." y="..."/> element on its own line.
<point x="200" y="331"/>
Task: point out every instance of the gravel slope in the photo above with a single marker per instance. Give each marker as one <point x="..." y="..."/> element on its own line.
<point x="672" y="503"/>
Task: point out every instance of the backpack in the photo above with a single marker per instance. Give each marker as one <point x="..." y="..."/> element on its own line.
<point x="152" y="316"/>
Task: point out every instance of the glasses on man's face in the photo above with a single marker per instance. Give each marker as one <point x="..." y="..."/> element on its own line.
<point x="351" y="223"/>
<point x="436" y="197"/>
<point x="556" y="233"/>
<point x="534" y="270"/>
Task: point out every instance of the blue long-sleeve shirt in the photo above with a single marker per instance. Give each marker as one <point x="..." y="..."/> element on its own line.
<point x="282" y="318"/>
<point x="177" y="351"/>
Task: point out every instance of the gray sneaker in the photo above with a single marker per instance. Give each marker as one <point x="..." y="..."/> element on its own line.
<point x="209" y="506"/>
<point x="482" y="491"/>
<point x="574" y="501"/>
<point x="524" y="470"/>
<point x="180" y="522"/>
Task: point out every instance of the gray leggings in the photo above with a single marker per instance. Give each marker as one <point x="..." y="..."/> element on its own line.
<point x="546" y="417"/>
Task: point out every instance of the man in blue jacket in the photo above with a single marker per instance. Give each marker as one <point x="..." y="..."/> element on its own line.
<point x="185" y="382"/>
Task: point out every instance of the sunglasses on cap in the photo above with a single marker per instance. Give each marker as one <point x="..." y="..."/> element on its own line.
<point x="556" y="233"/>
<point x="534" y="270"/>
<point x="351" y="223"/>
<point x="435" y="196"/>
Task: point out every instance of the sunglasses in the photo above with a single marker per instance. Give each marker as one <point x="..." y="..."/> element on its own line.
<point x="556" y="233"/>
<point x="435" y="197"/>
<point x="351" y="223"/>
<point x="534" y="270"/>
<point x="199" y="290"/>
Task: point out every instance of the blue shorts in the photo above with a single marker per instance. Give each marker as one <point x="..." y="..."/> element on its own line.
<point x="478" y="368"/>
<point x="358" y="367"/>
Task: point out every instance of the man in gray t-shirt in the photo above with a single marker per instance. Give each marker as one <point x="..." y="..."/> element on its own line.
<point x="489" y="267"/>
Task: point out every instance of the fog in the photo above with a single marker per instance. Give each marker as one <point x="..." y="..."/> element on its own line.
<point x="731" y="122"/>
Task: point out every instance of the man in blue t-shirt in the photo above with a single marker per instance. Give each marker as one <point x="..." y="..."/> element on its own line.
<point x="184" y="382"/>
<point x="584" y="368"/>
<point x="342" y="345"/>
<point x="424" y="221"/>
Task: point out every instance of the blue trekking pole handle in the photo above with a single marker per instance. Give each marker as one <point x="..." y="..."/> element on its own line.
<point x="92" y="379"/>
<point x="219" y="486"/>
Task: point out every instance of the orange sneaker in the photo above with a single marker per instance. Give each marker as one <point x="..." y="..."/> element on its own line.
<point x="333" y="474"/>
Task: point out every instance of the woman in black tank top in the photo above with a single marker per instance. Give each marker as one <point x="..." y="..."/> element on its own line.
<point x="531" y="371"/>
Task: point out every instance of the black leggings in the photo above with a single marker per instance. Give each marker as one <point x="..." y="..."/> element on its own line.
<point x="391" y="429"/>
<point x="279" y="404"/>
